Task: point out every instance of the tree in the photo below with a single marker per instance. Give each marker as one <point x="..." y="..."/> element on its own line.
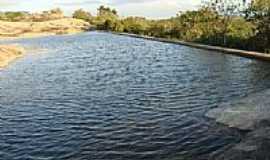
<point x="81" y="14"/>
<point x="14" y="16"/>
<point x="160" y="28"/>
<point x="107" y="19"/>
<point x="259" y="13"/>
<point x="196" y="25"/>
<point x="240" y="32"/>
<point x="227" y="9"/>
<point x="52" y="14"/>
<point x="136" y="25"/>
<point x="106" y="11"/>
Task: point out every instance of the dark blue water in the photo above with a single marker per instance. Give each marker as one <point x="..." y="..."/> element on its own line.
<point x="106" y="97"/>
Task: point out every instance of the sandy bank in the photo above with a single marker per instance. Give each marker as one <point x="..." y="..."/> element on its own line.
<point x="9" y="53"/>
<point x="242" y="53"/>
<point x="10" y="30"/>
<point x="35" y="29"/>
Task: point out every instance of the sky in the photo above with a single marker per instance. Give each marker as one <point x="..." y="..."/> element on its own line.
<point x="148" y="8"/>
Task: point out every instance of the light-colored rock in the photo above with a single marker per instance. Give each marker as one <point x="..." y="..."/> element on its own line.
<point x="252" y="114"/>
<point x="246" y="113"/>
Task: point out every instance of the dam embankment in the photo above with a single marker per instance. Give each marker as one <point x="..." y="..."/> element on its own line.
<point x="237" y="52"/>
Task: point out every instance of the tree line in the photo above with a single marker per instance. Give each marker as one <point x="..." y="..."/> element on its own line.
<point x="228" y="23"/>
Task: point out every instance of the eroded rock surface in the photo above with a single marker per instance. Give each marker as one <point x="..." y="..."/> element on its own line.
<point x="244" y="114"/>
<point x="251" y="114"/>
<point x="254" y="146"/>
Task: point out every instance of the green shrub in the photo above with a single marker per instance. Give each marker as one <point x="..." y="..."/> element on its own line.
<point x="81" y="14"/>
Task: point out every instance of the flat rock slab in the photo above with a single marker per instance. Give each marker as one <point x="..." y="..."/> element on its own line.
<point x="252" y="114"/>
<point x="255" y="146"/>
<point x="245" y="114"/>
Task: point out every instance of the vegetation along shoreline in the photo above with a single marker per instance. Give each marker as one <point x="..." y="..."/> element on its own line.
<point x="232" y="27"/>
<point x="239" y="25"/>
<point x="16" y="25"/>
<point x="237" y="52"/>
<point x="238" y="28"/>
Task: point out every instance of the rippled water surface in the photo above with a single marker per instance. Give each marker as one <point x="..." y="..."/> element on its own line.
<point x="106" y="97"/>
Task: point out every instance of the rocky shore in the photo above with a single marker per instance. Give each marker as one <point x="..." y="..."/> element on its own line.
<point x="252" y="115"/>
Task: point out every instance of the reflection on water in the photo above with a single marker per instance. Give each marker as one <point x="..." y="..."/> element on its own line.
<point x="101" y="96"/>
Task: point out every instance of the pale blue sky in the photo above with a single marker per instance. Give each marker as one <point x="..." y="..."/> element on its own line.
<point x="148" y="8"/>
